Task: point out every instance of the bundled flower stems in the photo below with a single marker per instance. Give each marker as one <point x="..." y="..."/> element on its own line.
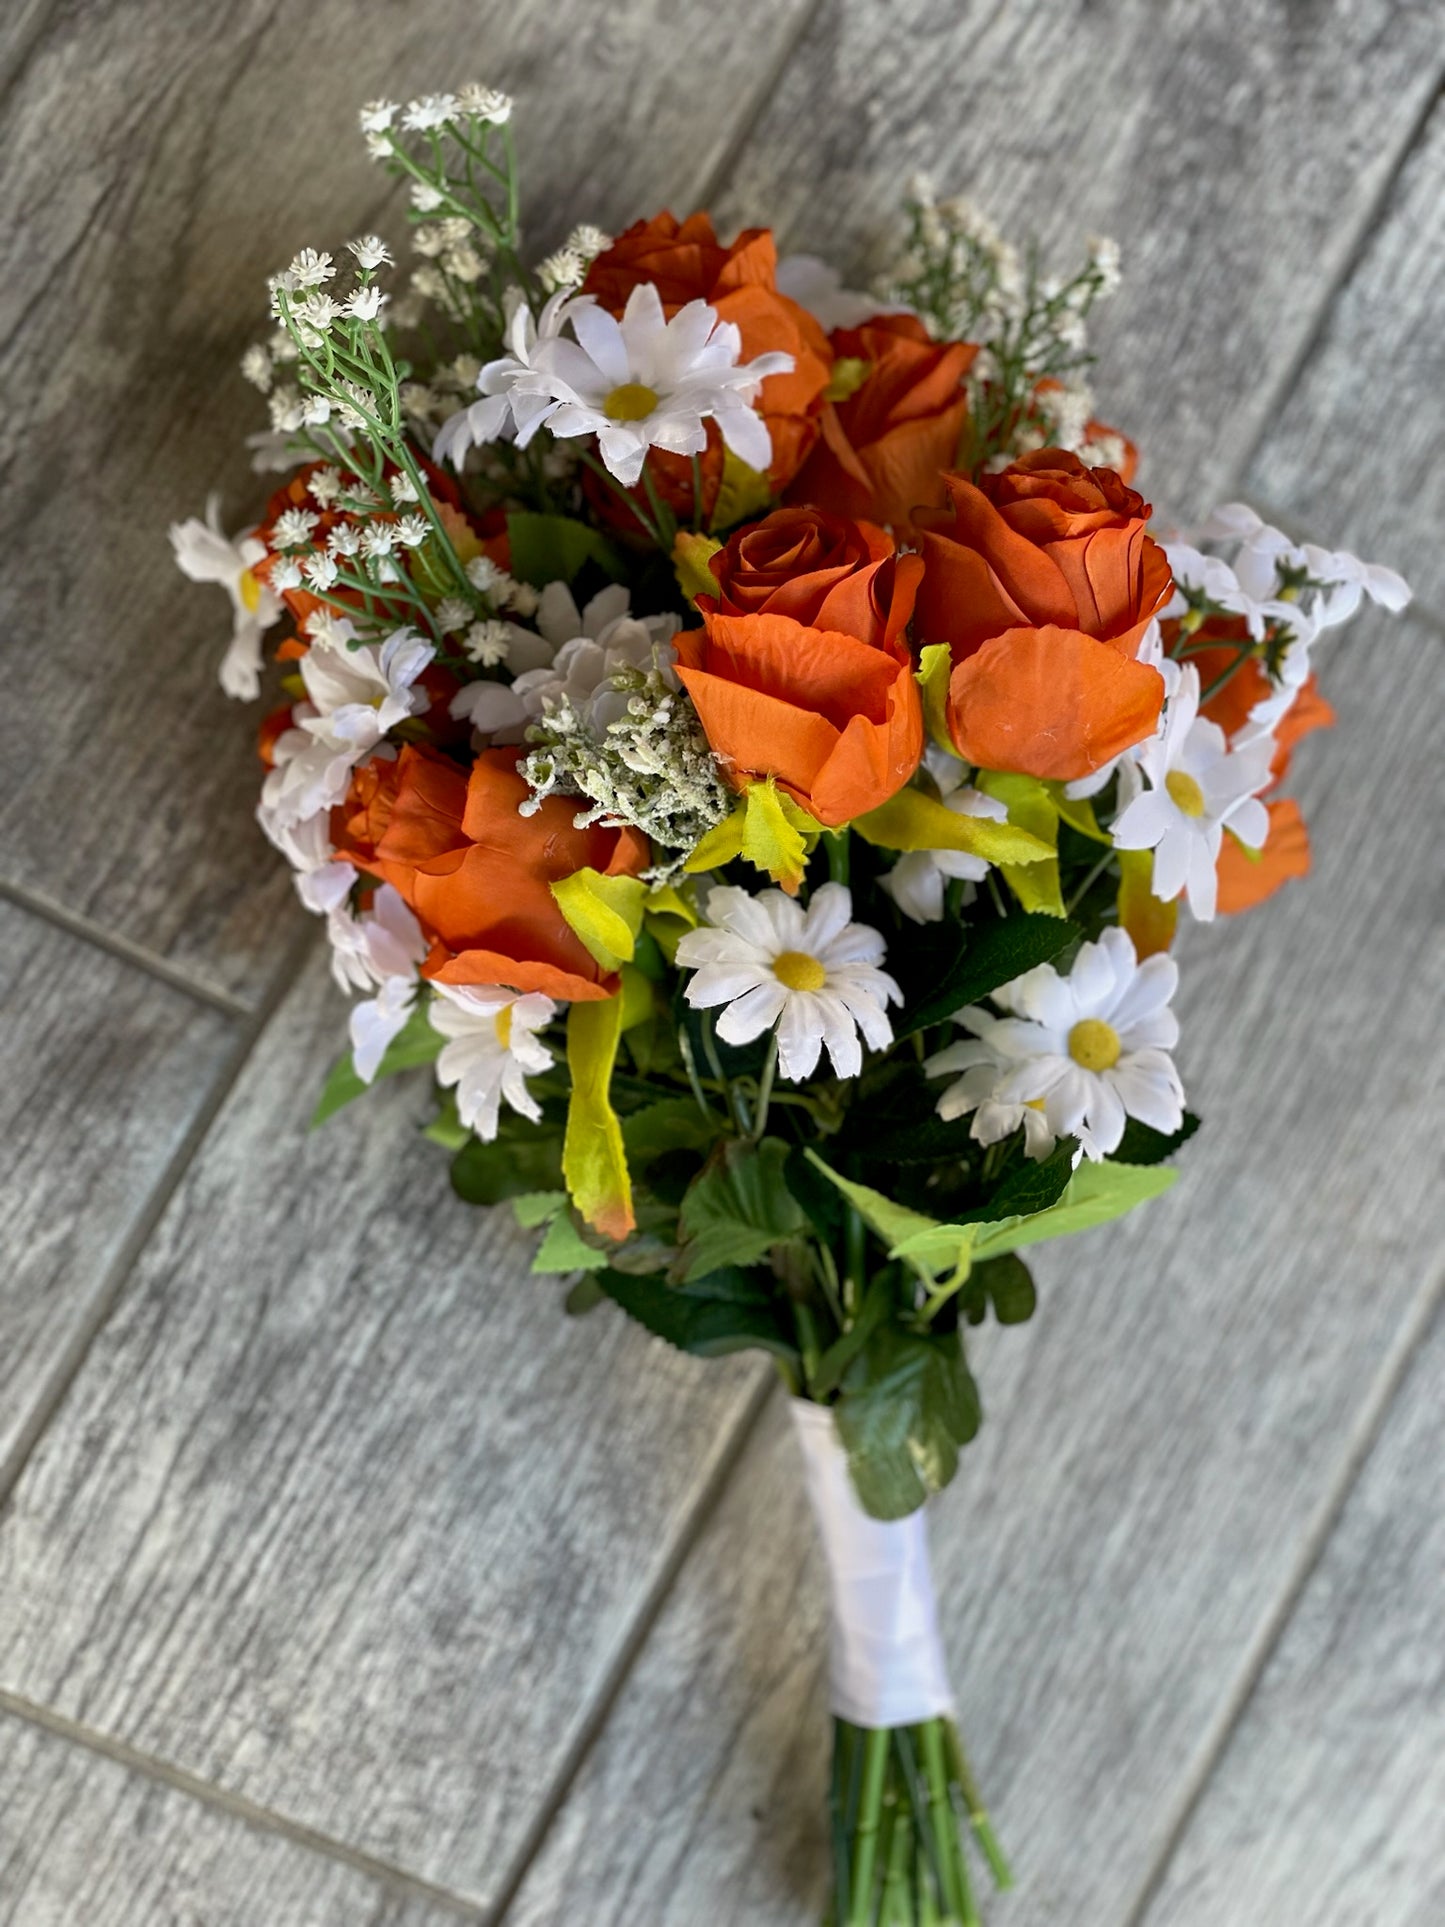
<point x="747" y="746"/>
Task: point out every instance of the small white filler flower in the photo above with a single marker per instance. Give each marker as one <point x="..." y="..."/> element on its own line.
<point x="810" y="974"/>
<point x="1198" y="787"/>
<point x="491" y="1048"/>
<point x="1075" y="1056"/>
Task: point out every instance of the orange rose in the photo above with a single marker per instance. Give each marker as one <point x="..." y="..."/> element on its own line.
<point x="359" y="823"/>
<point x="1246" y="880"/>
<point x="832" y="712"/>
<point x="1043" y="581"/>
<point x="885" y="448"/>
<point x="686" y="262"/>
<point x="477" y="873"/>
<point x="820" y="570"/>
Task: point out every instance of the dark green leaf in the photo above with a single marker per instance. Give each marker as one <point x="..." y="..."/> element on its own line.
<point x="737" y="1209"/>
<point x="671" y="1124"/>
<point x="586" y="1295"/>
<point x="724" y="1311"/>
<point x="877" y="1303"/>
<point x="817" y="1195"/>
<point x="416" y="1043"/>
<point x="1140" y="1145"/>
<point x="554" y="548"/>
<point x="1008" y="1285"/>
<point x="1028" y="1187"/>
<point x="487" y="1173"/>
<point x="995" y="955"/>
<point x="909" y="1403"/>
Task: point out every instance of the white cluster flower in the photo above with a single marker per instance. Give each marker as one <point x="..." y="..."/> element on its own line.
<point x="429" y="111"/>
<point x="639" y="383"/>
<point x="492" y="1047"/>
<point x="488" y="643"/>
<point x="452" y="614"/>
<point x="485" y="103"/>
<point x="1074" y="1056"/>
<point x="355" y="693"/>
<point x="286" y="410"/>
<point x="205" y="553"/>
<point x="371" y="252"/>
<point x="293" y="528"/>
<point x="257" y="368"/>
<point x="812" y="975"/>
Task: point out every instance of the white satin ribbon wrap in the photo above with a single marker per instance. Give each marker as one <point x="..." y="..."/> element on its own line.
<point x="886" y="1661"/>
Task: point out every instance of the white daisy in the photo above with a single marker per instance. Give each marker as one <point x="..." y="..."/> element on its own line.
<point x="492" y="1047"/>
<point x="599" y="654"/>
<point x="361" y="690"/>
<point x="918" y="879"/>
<point x="638" y="383"/>
<point x="1083" y="1053"/>
<point x="380" y="951"/>
<point x="1199" y="787"/>
<point x="810" y="975"/>
<point x="205" y="554"/>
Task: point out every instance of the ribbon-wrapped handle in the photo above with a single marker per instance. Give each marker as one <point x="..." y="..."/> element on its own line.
<point x="886" y="1658"/>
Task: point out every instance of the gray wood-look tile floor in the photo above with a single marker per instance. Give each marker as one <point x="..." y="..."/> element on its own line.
<point x="342" y="1580"/>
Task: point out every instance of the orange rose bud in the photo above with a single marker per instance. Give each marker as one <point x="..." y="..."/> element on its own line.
<point x="1042" y="580"/>
<point x="822" y="571"/>
<point x="823" y="700"/>
<point x="478" y="874"/>
<point x="686" y="262"/>
<point x="1246" y="880"/>
<point x="886" y="446"/>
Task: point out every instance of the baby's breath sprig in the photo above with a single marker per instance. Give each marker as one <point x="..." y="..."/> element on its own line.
<point x="350" y="401"/>
<point x="968" y="283"/>
<point x="456" y="152"/>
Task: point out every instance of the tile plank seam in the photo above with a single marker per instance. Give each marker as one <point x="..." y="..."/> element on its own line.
<point x="648" y="1612"/>
<point x="112" y="1284"/>
<point x="126" y="949"/>
<point x="206" y="1793"/>
<point x="1337" y="283"/>
<point x="717" y="175"/>
<point x="1370" y="1421"/>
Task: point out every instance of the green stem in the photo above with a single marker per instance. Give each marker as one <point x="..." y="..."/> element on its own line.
<point x="600" y="468"/>
<point x="1089" y="881"/>
<point x="765" y="1087"/>
<point x="836" y="843"/>
<point x="855" y="1244"/>
<point x="1224" y="676"/>
<point x="982" y="1826"/>
<point x="946" y="1844"/>
<point x="865" y="1832"/>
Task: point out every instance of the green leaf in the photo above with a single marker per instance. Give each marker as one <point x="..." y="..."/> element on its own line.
<point x="723" y="1311"/>
<point x="737" y="1209"/>
<point x="895" y="1224"/>
<point x="671" y="1124"/>
<point x="828" y="1374"/>
<point x="908" y="1404"/>
<point x="555" y="548"/>
<point x="531" y="1208"/>
<point x="1094" y="1195"/>
<point x="999" y="953"/>
<point x="565" y="1249"/>
<point x="1140" y="1145"/>
<point x="488" y="1173"/>
<point x="586" y="1295"/>
<point x="415" y="1044"/>
<point x="1029" y="1187"/>
<point x="1008" y="1285"/>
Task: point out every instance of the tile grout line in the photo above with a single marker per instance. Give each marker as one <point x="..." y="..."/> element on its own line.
<point x="1370" y="1420"/>
<point x="550" y="1805"/>
<point x="206" y="1793"/>
<point x="124" y="948"/>
<point x="1353" y="257"/>
<point x="112" y="1284"/>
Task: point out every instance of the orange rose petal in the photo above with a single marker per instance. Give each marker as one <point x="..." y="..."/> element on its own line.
<point x="1025" y="573"/>
<point x="871" y="764"/>
<point x="1050" y="702"/>
<point x="962" y="602"/>
<point x="760" y="735"/>
<point x="492" y="967"/>
<point x="1245" y="881"/>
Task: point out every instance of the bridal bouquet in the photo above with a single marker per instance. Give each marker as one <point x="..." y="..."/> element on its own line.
<point x="743" y="737"/>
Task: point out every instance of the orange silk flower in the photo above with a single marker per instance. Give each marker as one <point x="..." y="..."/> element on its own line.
<point x="686" y="262"/>
<point x="824" y="701"/>
<point x="886" y="446"/>
<point x="477" y="873"/>
<point x="1042" y="580"/>
<point x="1246" y="880"/>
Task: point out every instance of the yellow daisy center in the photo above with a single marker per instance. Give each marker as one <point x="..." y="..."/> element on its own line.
<point x="798" y="971"/>
<point x="1094" y="1045"/>
<point x="630" y="401"/>
<point x="502" y="1023"/>
<point x="250" y="591"/>
<point x="1184" y="793"/>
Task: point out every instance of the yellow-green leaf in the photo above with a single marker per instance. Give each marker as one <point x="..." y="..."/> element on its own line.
<point x="690" y="553"/>
<point x="638" y="1002"/>
<point x="605" y="912"/>
<point x="935" y="666"/>
<point x="1078" y="813"/>
<point x="1149" y="922"/>
<point x="742" y="493"/>
<point x="723" y="842"/>
<point x="1030" y="807"/>
<point x="777" y="834"/>
<point x="913" y="820"/>
<point x="848" y="376"/>
<point x="594" y="1162"/>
